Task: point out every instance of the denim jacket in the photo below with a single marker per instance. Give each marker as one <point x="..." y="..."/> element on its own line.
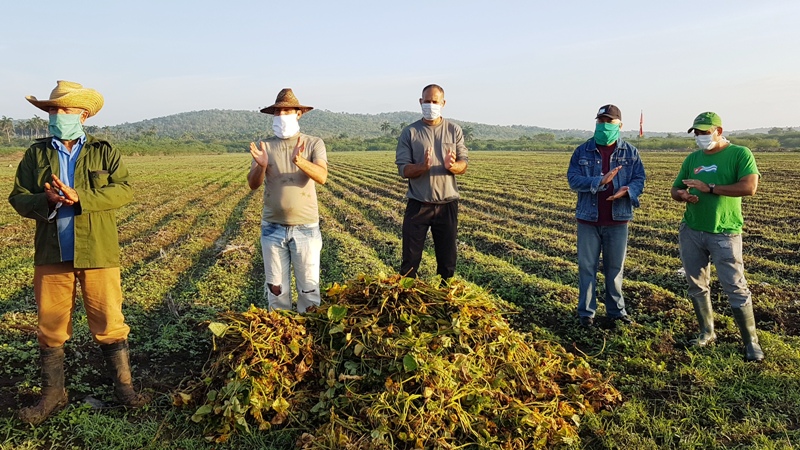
<point x="585" y="173"/>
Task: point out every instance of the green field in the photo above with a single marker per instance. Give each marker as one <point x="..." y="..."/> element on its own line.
<point x="191" y="249"/>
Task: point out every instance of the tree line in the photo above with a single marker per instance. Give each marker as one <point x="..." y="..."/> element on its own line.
<point x="231" y="131"/>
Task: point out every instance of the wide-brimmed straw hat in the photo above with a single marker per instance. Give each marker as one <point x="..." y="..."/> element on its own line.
<point x="286" y="99"/>
<point x="68" y="94"/>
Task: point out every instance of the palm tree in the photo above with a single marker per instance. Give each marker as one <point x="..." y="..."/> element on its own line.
<point x="38" y="124"/>
<point x="386" y="127"/>
<point x="468" y="131"/>
<point x="7" y="127"/>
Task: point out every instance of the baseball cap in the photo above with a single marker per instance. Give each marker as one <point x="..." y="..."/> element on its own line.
<point x="705" y="121"/>
<point x="610" y="111"/>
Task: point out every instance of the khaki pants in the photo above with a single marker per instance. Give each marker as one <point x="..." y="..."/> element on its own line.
<point x="55" y="288"/>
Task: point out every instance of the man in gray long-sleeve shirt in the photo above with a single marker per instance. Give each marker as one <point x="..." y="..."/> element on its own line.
<point x="430" y="153"/>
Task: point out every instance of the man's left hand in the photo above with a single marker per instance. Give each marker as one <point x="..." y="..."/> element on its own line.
<point x="69" y="195"/>
<point x="622" y="192"/>
<point x="298" y="150"/>
<point x="697" y="184"/>
<point x="449" y="158"/>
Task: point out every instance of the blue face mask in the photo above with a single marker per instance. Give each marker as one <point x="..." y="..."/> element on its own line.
<point x="66" y="126"/>
<point x="606" y="133"/>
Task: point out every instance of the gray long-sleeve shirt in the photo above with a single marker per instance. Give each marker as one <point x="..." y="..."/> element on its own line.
<point x="438" y="185"/>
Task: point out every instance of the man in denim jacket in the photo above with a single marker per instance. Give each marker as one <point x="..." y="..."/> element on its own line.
<point x="608" y="176"/>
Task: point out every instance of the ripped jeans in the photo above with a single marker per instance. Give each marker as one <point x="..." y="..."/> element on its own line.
<point x="699" y="249"/>
<point x="299" y="246"/>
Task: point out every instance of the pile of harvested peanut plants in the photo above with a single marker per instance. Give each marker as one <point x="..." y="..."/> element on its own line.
<point x="394" y="362"/>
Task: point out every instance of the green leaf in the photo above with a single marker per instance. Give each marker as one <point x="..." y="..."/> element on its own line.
<point x="201" y="411"/>
<point x="294" y="346"/>
<point x="336" y="313"/>
<point x="337" y="329"/>
<point x="358" y="350"/>
<point x="406" y="283"/>
<point x="218" y="328"/>
<point x="352" y="367"/>
<point x="409" y="363"/>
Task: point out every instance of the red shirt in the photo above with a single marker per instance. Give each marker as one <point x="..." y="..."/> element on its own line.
<point x="604" y="217"/>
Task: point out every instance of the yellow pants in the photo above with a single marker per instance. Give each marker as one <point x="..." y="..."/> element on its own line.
<point x="55" y="288"/>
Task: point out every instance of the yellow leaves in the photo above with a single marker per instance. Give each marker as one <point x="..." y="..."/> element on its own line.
<point x="181" y="399"/>
<point x="398" y="360"/>
<point x="358" y="350"/>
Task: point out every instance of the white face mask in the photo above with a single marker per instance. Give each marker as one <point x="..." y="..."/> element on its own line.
<point x="431" y="111"/>
<point x="285" y="126"/>
<point x="705" y="141"/>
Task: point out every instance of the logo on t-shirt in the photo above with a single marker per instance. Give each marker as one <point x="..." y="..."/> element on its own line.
<point x="705" y="169"/>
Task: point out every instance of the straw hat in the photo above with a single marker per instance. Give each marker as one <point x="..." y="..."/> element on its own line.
<point x="70" y="95"/>
<point x="286" y="99"/>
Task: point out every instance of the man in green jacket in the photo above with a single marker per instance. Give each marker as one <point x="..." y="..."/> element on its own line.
<point x="71" y="184"/>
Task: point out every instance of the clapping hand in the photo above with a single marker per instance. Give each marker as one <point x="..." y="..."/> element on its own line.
<point x="623" y="191"/>
<point x="260" y="155"/>
<point x="449" y="158"/>
<point x="298" y="150"/>
<point x="687" y="197"/>
<point x="610" y="176"/>
<point x="67" y="196"/>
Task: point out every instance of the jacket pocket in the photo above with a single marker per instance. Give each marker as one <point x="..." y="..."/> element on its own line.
<point x="98" y="178"/>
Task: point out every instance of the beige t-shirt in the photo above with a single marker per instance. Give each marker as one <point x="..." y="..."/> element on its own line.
<point x="290" y="196"/>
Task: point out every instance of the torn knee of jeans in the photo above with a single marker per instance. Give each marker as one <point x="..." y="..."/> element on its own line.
<point x="275" y="289"/>
<point x="308" y="292"/>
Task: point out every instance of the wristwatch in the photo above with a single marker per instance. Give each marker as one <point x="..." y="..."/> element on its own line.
<point x="711" y="187"/>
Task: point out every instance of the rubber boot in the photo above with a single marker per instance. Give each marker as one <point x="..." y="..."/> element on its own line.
<point x="705" y="317"/>
<point x="118" y="360"/>
<point x="747" y="326"/>
<point x="54" y="396"/>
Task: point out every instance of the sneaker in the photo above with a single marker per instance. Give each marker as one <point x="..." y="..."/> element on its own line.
<point x="587" y="321"/>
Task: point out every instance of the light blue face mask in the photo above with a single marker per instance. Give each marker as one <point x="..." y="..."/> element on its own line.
<point x="606" y="133"/>
<point x="66" y="126"/>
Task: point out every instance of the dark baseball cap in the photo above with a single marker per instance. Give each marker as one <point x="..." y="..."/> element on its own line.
<point x="610" y="111"/>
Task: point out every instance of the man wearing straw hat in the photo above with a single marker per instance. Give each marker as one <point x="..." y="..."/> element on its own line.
<point x="71" y="184"/>
<point x="289" y="165"/>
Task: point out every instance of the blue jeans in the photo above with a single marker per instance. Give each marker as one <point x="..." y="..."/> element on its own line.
<point x="613" y="242"/>
<point x="699" y="249"/>
<point x="300" y="247"/>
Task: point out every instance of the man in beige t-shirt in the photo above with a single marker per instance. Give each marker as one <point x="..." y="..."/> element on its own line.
<point x="289" y="165"/>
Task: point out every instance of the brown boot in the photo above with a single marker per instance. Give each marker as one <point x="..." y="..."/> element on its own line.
<point x="118" y="359"/>
<point x="54" y="396"/>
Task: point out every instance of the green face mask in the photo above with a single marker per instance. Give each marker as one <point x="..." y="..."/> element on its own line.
<point x="66" y="126"/>
<point x="606" y="133"/>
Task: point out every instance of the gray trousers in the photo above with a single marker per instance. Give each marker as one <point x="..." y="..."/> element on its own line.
<point x="699" y="249"/>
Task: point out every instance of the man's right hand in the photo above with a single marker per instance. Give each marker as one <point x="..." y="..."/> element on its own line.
<point x="609" y="176"/>
<point x="686" y="196"/>
<point x="428" y="158"/>
<point x="260" y="155"/>
<point x="54" y="196"/>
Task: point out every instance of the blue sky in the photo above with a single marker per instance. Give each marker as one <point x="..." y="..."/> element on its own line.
<point x="549" y="64"/>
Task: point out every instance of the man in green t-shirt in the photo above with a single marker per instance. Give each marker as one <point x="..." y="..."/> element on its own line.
<point x="712" y="182"/>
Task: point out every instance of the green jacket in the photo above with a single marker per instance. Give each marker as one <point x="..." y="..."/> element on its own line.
<point x="101" y="181"/>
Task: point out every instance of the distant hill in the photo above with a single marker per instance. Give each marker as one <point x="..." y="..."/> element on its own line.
<point x="249" y="124"/>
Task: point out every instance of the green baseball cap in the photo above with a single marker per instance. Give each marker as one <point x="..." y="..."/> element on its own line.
<point x="705" y="121"/>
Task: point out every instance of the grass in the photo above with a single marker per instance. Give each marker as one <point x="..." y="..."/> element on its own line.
<point x="191" y="248"/>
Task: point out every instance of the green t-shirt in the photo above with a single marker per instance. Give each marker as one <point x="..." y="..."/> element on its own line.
<point x="716" y="213"/>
